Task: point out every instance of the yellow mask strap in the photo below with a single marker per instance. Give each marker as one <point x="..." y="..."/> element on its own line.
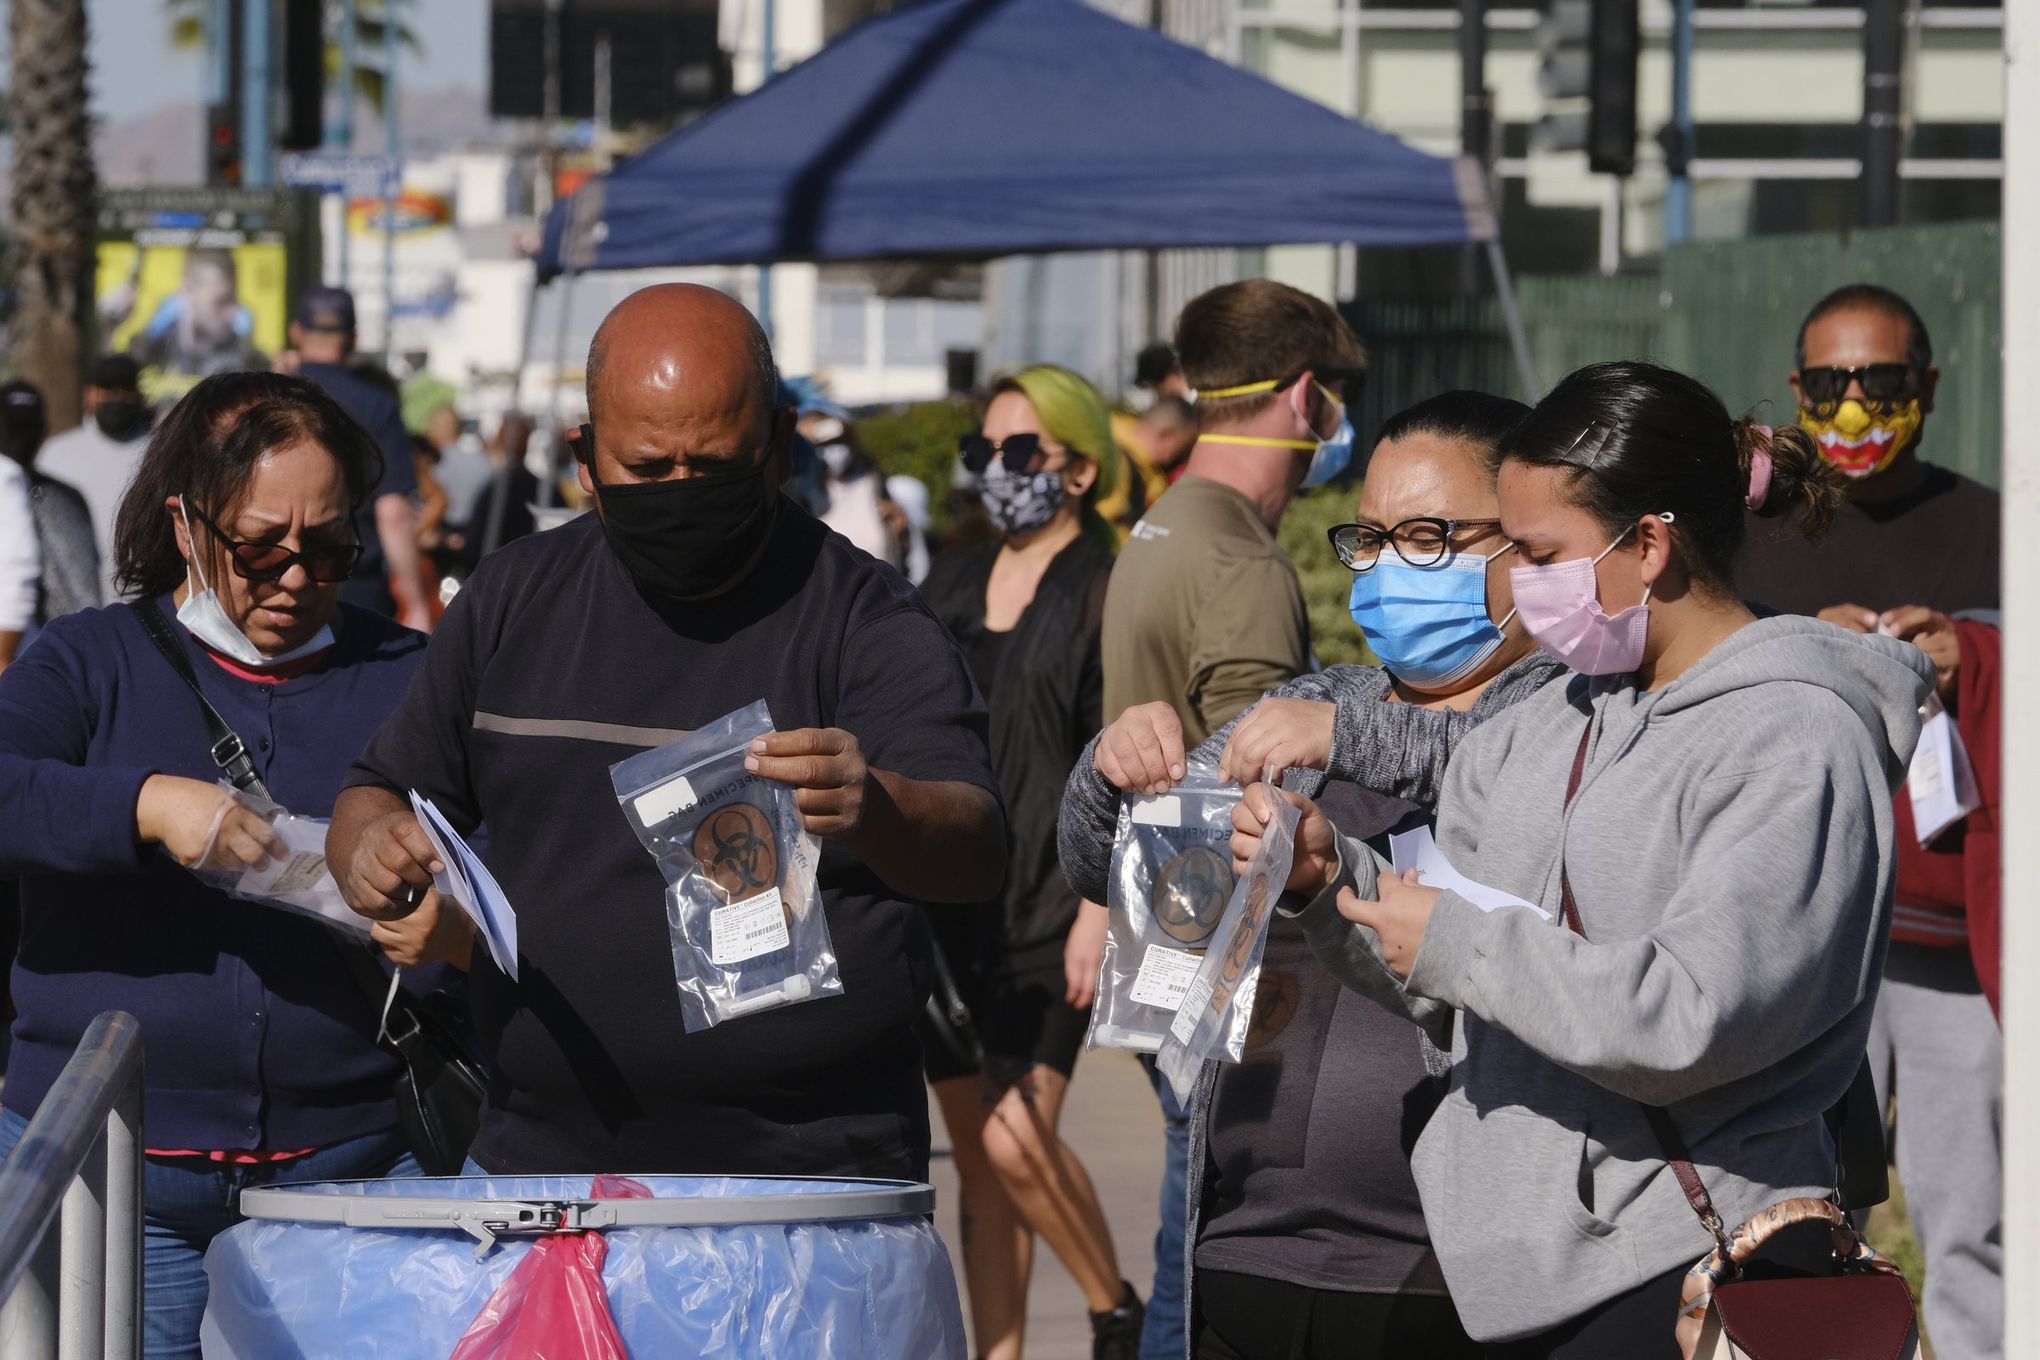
<point x="1243" y="390"/>
<point x="1254" y="441"/>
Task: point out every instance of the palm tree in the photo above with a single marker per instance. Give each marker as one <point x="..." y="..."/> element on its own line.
<point x="54" y="190"/>
<point x="187" y="23"/>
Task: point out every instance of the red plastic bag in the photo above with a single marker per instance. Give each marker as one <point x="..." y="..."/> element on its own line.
<point x="553" y="1305"/>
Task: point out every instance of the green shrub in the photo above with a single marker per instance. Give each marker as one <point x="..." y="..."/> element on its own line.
<point x="1325" y="580"/>
<point x="920" y="441"/>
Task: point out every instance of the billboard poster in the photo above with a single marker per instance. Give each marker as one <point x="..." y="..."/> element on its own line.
<point x="196" y="281"/>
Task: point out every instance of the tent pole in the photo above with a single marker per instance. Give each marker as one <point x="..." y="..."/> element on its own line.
<point x="545" y="485"/>
<point x="1512" y="317"/>
<point x="524" y="346"/>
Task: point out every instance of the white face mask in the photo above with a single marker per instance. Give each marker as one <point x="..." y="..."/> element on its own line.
<point x="206" y="619"/>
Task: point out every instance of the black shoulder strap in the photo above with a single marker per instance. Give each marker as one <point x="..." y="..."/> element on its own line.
<point x="231" y="755"/>
<point x="228" y="750"/>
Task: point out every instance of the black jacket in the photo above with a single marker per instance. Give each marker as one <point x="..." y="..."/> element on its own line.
<point x="1044" y="710"/>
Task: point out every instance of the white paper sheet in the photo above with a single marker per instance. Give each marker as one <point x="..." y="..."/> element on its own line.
<point x="468" y="882"/>
<point x="1940" y="782"/>
<point x="1418" y="850"/>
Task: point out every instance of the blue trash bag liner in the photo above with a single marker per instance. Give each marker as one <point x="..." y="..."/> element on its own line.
<point x="859" y="1289"/>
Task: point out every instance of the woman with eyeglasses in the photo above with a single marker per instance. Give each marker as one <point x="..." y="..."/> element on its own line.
<point x="1697" y="827"/>
<point x="1308" y="1236"/>
<point x="263" y="1066"/>
<point x="1026" y="609"/>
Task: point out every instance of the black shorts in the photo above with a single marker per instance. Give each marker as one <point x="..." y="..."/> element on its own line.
<point x="1017" y="1005"/>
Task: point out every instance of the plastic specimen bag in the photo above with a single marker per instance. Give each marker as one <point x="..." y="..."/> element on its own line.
<point x="1171" y="878"/>
<point x="1213" y="1020"/>
<point x="742" y="904"/>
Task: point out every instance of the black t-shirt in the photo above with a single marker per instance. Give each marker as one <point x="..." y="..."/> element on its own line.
<point x="1936" y="547"/>
<point x="549" y="668"/>
<point x="1308" y="1174"/>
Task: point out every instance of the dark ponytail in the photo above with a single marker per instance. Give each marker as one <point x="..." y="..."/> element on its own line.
<point x="1804" y="486"/>
<point x="1638" y="439"/>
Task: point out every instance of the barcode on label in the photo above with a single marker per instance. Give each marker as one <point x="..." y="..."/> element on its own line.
<point x="302" y="872"/>
<point x="1185" y="1023"/>
<point x="1165" y="974"/>
<point x="746" y="929"/>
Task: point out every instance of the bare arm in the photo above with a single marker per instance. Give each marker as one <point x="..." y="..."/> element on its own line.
<point x="396" y="527"/>
<point x="938" y="841"/>
<point x="379" y="854"/>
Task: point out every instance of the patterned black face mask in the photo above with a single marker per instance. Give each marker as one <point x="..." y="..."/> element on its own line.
<point x="1021" y="503"/>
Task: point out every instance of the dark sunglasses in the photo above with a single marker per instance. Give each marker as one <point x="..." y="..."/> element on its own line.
<point x="1884" y="383"/>
<point x="1421" y="542"/>
<point x="1021" y="453"/>
<point x="327" y="563"/>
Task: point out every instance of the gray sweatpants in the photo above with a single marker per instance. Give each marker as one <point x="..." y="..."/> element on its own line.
<point x="1936" y="1045"/>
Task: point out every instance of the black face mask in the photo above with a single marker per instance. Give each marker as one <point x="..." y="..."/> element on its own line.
<point x="687" y="539"/>
<point x="119" y="418"/>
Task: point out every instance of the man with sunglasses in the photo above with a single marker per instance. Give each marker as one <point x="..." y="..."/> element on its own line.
<point x="1914" y="553"/>
<point x="1204" y="612"/>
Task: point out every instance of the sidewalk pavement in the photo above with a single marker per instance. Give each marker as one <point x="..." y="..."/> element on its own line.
<point x="1114" y="1125"/>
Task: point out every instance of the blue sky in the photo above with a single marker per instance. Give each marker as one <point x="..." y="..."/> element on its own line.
<point x="134" y="68"/>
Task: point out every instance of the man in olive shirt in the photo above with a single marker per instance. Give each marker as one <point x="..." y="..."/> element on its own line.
<point x="1203" y="611"/>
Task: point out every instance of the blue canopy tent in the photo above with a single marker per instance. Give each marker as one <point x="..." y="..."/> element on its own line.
<point x="981" y="128"/>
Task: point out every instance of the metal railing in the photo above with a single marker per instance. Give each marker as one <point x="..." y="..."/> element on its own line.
<point x="71" y="1208"/>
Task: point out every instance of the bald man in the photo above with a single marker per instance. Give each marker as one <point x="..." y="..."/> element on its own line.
<point x="696" y="588"/>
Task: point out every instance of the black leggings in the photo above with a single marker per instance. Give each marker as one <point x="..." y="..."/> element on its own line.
<point x="1634" y="1326"/>
<point x="1249" y="1318"/>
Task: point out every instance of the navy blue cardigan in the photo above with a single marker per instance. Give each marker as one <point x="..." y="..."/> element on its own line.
<point x="253" y="1036"/>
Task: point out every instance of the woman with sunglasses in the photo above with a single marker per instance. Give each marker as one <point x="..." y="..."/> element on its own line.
<point x="1308" y="1236"/>
<point x="263" y="1066"/>
<point x="1026" y="610"/>
<point x="1701" y="815"/>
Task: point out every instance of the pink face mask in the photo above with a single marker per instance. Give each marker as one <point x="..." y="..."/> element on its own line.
<point x="1560" y="605"/>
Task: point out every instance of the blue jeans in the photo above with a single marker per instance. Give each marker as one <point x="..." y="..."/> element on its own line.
<point x="188" y="1201"/>
<point x="1162" y="1336"/>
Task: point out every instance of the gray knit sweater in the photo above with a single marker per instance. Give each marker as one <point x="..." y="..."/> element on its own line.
<point x="1395" y="749"/>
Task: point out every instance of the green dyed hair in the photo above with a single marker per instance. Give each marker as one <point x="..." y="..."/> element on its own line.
<point x="1075" y="416"/>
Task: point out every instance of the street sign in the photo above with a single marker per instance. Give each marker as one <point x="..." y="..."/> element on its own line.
<point x="335" y="172"/>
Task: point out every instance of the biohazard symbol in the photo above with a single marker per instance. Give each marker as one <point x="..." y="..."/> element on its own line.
<point x="734" y="847"/>
<point x="1190" y="894"/>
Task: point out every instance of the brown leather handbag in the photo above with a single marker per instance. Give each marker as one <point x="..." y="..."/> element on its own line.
<point x="1863" y="1311"/>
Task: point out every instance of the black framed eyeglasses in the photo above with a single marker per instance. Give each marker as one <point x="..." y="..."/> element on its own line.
<point x="1824" y="387"/>
<point x="1021" y="453"/>
<point x="1424" y="541"/>
<point x="329" y="563"/>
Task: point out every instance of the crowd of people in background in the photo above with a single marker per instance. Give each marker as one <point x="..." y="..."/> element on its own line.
<point x="1653" y="669"/>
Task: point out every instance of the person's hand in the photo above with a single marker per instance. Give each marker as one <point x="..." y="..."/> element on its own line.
<point x="1142" y="751"/>
<point x="390" y="874"/>
<point x="1083" y="953"/>
<point x="437" y="932"/>
<point x="826" y="771"/>
<point x="1853" y="617"/>
<point x="1399" y="918"/>
<point x="1276" y="734"/>
<point x="1933" y="633"/>
<point x="1316" y="861"/>
<point x="204" y="826"/>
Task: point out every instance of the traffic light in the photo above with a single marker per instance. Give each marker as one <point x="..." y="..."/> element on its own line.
<point x="222" y="145"/>
<point x="1588" y="71"/>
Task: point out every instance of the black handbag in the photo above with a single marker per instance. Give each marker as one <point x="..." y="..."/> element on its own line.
<point x="440" y="1089"/>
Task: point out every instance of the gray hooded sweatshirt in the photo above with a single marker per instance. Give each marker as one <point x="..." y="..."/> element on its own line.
<point x="1730" y="851"/>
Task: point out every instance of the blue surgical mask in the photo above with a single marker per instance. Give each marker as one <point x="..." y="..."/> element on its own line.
<point x="1429" y="625"/>
<point x="1333" y="455"/>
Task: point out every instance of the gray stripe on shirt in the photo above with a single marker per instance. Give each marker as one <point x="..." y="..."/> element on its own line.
<point x="576" y="729"/>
